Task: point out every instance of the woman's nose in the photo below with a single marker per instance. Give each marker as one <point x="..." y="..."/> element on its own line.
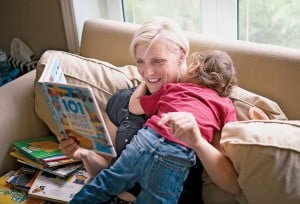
<point x="148" y="70"/>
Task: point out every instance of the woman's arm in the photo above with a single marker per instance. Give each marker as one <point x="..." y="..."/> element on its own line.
<point x="134" y="103"/>
<point x="220" y="169"/>
<point x="92" y="161"/>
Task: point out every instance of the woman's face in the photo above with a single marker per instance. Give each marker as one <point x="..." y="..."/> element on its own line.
<point x="158" y="64"/>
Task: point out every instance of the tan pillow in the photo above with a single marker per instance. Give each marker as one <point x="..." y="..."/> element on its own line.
<point x="243" y="100"/>
<point x="104" y="79"/>
<point x="266" y="155"/>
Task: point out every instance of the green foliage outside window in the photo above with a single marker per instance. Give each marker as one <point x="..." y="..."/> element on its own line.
<point x="186" y="13"/>
<point x="274" y="22"/>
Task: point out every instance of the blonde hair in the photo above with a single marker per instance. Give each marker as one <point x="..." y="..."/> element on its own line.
<point x="160" y="28"/>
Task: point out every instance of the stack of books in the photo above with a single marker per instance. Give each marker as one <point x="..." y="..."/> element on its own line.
<point x="44" y="154"/>
<point x="33" y="186"/>
<point x="45" y="175"/>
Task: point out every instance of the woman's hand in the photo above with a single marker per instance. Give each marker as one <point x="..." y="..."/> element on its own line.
<point x="92" y="161"/>
<point x="183" y="126"/>
<point x="71" y="149"/>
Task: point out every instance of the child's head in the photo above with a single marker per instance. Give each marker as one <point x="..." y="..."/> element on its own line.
<point x="213" y="69"/>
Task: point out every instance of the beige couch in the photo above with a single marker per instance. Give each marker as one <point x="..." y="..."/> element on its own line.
<point x="270" y="71"/>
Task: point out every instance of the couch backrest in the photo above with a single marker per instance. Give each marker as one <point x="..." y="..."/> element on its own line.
<point x="271" y="71"/>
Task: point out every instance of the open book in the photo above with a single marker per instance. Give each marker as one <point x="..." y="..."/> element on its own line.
<point x="75" y="110"/>
<point x="59" y="190"/>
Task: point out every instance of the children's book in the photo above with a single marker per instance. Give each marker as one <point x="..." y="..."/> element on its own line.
<point x="43" y="163"/>
<point x="60" y="170"/>
<point x="39" y="148"/>
<point x="23" y="178"/>
<point x="53" y="188"/>
<point x="75" y="110"/>
<point x="11" y="195"/>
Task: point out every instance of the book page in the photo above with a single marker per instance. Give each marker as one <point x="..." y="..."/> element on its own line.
<point x="53" y="71"/>
<point x="54" y="188"/>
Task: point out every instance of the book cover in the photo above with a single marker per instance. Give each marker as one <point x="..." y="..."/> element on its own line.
<point x="39" y="148"/>
<point x="23" y="178"/>
<point x="75" y="110"/>
<point x="57" y="189"/>
<point x="11" y="195"/>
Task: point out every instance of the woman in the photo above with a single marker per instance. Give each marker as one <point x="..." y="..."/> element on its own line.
<point x="167" y="59"/>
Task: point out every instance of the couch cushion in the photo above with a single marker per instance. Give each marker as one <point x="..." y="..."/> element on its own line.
<point x="243" y="100"/>
<point x="104" y="79"/>
<point x="266" y="155"/>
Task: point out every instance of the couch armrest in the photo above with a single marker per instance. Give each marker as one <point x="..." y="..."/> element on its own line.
<point x="17" y="119"/>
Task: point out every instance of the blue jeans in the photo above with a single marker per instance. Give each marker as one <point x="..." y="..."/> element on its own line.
<point x="158" y="165"/>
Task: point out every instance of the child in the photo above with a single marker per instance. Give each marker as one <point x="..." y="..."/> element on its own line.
<point x="160" y="155"/>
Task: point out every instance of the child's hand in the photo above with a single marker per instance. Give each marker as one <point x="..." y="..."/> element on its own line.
<point x="134" y="105"/>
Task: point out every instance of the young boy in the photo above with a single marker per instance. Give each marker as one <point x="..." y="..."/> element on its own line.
<point x="160" y="155"/>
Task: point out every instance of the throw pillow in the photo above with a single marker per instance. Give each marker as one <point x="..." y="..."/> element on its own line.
<point x="266" y="155"/>
<point x="243" y="100"/>
<point x="104" y="79"/>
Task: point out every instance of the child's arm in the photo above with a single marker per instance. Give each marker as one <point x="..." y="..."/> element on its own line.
<point x="134" y="105"/>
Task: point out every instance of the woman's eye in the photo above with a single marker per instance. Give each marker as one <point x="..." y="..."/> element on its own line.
<point x="158" y="61"/>
<point x="140" y="62"/>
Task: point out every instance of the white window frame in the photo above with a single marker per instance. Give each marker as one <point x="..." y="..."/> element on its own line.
<point x="219" y="17"/>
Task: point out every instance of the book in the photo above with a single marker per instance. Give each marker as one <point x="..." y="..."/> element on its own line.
<point x="43" y="163"/>
<point x="11" y="195"/>
<point x="23" y="178"/>
<point x="57" y="189"/>
<point x="39" y="148"/>
<point x="62" y="170"/>
<point x="74" y="110"/>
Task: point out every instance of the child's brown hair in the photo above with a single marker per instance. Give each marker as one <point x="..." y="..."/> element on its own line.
<point x="215" y="70"/>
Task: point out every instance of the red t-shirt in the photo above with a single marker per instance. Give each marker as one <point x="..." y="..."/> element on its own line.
<point x="210" y="110"/>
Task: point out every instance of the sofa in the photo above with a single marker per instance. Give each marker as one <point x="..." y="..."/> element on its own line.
<point x="268" y="77"/>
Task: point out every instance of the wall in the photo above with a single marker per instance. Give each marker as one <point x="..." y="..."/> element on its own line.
<point x="36" y="22"/>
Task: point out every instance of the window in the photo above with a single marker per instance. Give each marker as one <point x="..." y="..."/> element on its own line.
<point x="270" y="22"/>
<point x="214" y="18"/>
<point x="274" y="22"/>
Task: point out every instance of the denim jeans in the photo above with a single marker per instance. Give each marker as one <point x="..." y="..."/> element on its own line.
<point x="158" y="165"/>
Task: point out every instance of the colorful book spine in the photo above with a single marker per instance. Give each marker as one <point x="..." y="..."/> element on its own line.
<point x="23" y="159"/>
